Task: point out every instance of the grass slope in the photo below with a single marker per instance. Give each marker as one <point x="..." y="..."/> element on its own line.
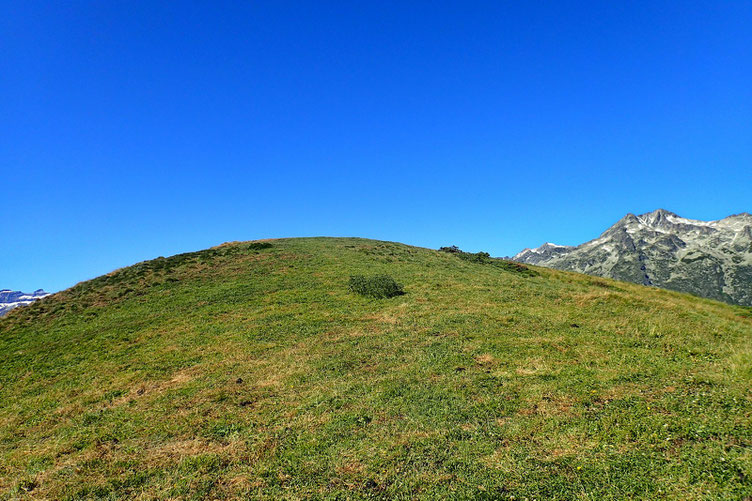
<point x="244" y="371"/>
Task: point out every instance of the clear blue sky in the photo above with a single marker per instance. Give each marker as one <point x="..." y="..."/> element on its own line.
<point x="130" y="130"/>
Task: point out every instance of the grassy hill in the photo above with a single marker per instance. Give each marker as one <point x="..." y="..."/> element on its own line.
<point x="252" y="371"/>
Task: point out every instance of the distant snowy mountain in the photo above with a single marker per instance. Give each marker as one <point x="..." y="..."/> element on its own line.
<point x="707" y="258"/>
<point x="541" y="254"/>
<point x="12" y="299"/>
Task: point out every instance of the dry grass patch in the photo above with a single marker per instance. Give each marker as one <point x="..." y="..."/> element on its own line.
<point x="486" y="359"/>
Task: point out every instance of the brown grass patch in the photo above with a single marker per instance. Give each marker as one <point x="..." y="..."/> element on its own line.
<point x="385" y="318"/>
<point x="350" y="469"/>
<point x="550" y="407"/>
<point x="586" y="298"/>
<point x="239" y="483"/>
<point x="485" y="359"/>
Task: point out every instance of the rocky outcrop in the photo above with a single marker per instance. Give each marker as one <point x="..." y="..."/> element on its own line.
<point x="711" y="259"/>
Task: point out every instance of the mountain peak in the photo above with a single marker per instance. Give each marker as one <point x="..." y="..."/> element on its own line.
<point x="549" y="245"/>
<point x="657" y="217"/>
<point x="659" y="213"/>
<point x="708" y="258"/>
<point x="542" y="253"/>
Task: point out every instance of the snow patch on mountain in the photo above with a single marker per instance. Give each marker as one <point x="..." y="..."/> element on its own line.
<point x="13" y="299"/>
<point x="542" y="253"/>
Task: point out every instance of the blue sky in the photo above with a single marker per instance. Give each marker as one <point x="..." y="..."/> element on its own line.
<point x="130" y="130"/>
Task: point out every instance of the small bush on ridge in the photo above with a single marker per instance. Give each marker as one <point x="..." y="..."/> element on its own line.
<point x="485" y="258"/>
<point x="452" y="249"/>
<point x="478" y="257"/>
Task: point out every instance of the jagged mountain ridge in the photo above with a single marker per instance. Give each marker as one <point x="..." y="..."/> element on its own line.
<point x="711" y="259"/>
<point x="13" y="299"/>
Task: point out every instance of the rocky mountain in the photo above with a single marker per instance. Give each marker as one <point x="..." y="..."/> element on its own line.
<point x="711" y="259"/>
<point x="542" y="254"/>
<point x="12" y="299"/>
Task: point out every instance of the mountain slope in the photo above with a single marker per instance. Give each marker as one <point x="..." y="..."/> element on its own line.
<point x="249" y="370"/>
<point x="711" y="259"/>
<point x="13" y="299"/>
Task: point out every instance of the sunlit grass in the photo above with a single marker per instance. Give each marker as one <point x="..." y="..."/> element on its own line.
<point x="252" y="371"/>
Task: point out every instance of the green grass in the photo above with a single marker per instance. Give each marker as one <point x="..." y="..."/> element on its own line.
<point x="252" y="371"/>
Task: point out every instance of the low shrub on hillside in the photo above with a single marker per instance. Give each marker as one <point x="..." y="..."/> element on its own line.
<point x="377" y="286"/>
<point x="452" y="249"/>
<point x="477" y="257"/>
<point x="515" y="267"/>
<point x="258" y="245"/>
<point x="485" y="258"/>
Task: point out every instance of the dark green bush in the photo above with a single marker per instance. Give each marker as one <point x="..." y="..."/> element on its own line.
<point x="377" y="286"/>
<point x="478" y="257"/>
<point x="485" y="258"/>
<point x="514" y="267"/>
<point x="452" y="249"/>
<point x="258" y="245"/>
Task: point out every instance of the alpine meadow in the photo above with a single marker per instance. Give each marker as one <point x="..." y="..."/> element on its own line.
<point x="347" y="368"/>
